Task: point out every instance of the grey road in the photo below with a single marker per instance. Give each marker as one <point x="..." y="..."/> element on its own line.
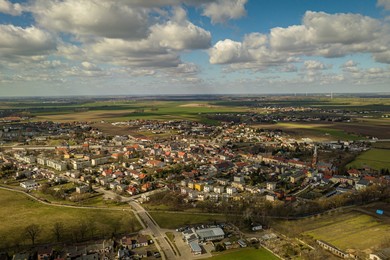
<point x="155" y="231"/>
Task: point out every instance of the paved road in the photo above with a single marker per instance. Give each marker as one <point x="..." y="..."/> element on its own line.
<point x="109" y="194"/>
<point x="148" y="223"/>
<point x="155" y="231"/>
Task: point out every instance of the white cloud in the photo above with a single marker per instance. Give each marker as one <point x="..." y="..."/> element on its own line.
<point x="253" y="53"/>
<point x="51" y="64"/>
<point x="383" y="57"/>
<point x="71" y="52"/>
<point x="188" y="68"/>
<point x="370" y="76"/>
<point x="328" y="35"/>
<point x="141" y="72"/>
<point x="31" y="41"/>
<point x="85" y="69"/>
<point x="320" y="34"/>
<point x="160" y="49"/>
<point x="350" y="66"/>
<point x="102" y="18"/>
<point x="121" y="32"/>
<point x="340" y="28"/>
<point x="289" y="68"/>
<point x="180" y="34"/>
<point x="384" y="3"/>
<point x="10" y="8"/>
<point x="222" y="10"/>
<point x="88" y="66"/>
<point x="314" y="65"/>
<point x="143" y="53"/>
<point x="228" y="51"/>
<point x="219" y="11"/>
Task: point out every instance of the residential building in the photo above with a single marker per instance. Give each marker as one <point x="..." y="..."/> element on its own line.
<point x="29" y="185"/>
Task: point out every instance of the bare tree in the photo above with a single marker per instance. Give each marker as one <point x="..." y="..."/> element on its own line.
<point x="83" y="228"/>
<point x="92" y="227"/>
<point x="132" y="225"/>
<point x="115" y="226"/>
<point x="33" y="232"/>
<point x="58" y="230"/>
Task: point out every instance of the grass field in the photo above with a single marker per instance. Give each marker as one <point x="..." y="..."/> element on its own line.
<point x="323" y="102"/>
<point x="245" y="254"/>
<point x="17" y="211"/>
<point x="116" y="111"/>
<point x="350" y="230"/>
<point x="357" y="231"/>
<point x="315" y="131"/>
<point x="374" y="158"/>
<point x="381" y="145"/>
<point x="174" y="220"/>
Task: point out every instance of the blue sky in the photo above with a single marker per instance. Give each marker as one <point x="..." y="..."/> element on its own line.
<point x="141" y="47"/>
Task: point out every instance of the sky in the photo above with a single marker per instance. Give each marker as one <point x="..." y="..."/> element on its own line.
<point x="165" y="47"/>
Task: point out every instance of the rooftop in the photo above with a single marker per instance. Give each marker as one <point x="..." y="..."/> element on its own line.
<point x="210" y="232"/>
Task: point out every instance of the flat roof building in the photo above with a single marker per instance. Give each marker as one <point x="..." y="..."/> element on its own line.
<point x="209" y="234"/>
<point x="195" y="248"/>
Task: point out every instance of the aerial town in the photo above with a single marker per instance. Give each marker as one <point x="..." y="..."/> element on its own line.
<point x="242" y="175"/>
<point x="194" y="129"/>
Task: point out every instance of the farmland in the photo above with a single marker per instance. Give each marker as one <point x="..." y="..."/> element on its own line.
<point x="173" y="220"/>
<point x="24" y="211"/>
<point x="374" y="158"/>
<point x="351" y="230"/>
<point x="245" y="254"/>
<point x="116" y="111"/>
<point x="316" y="131"/>
<point x="367" y="121"/>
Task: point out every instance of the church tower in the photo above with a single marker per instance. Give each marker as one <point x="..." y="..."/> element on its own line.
<point x="315" y="157"/>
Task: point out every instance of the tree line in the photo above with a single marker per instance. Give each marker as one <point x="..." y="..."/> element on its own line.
<point x="80" y="231"/>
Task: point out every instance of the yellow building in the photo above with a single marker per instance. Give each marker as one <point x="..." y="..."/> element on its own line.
<point x="199" y="186"/>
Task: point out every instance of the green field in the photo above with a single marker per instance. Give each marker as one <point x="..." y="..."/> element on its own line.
<point x="177" y="219"/>
<point x="127" y="110"/>
<point x="319" y="130"/>
<point x="358" y="231"/>
<point x="336" y="102"/>
<point x="374" y="158"/>
<point x="245" y="254"/>
<point x="17" y="211"/>
<point x="350" y="230"/>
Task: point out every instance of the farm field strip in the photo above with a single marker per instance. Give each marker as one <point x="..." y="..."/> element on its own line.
<point x="375" y="158"/>
<point x="351" y="230"/>
<point x="174" y="220"/>
<point x="245" y="254"/>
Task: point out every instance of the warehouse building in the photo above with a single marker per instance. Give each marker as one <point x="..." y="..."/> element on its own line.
<point x="210" y="234"/>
